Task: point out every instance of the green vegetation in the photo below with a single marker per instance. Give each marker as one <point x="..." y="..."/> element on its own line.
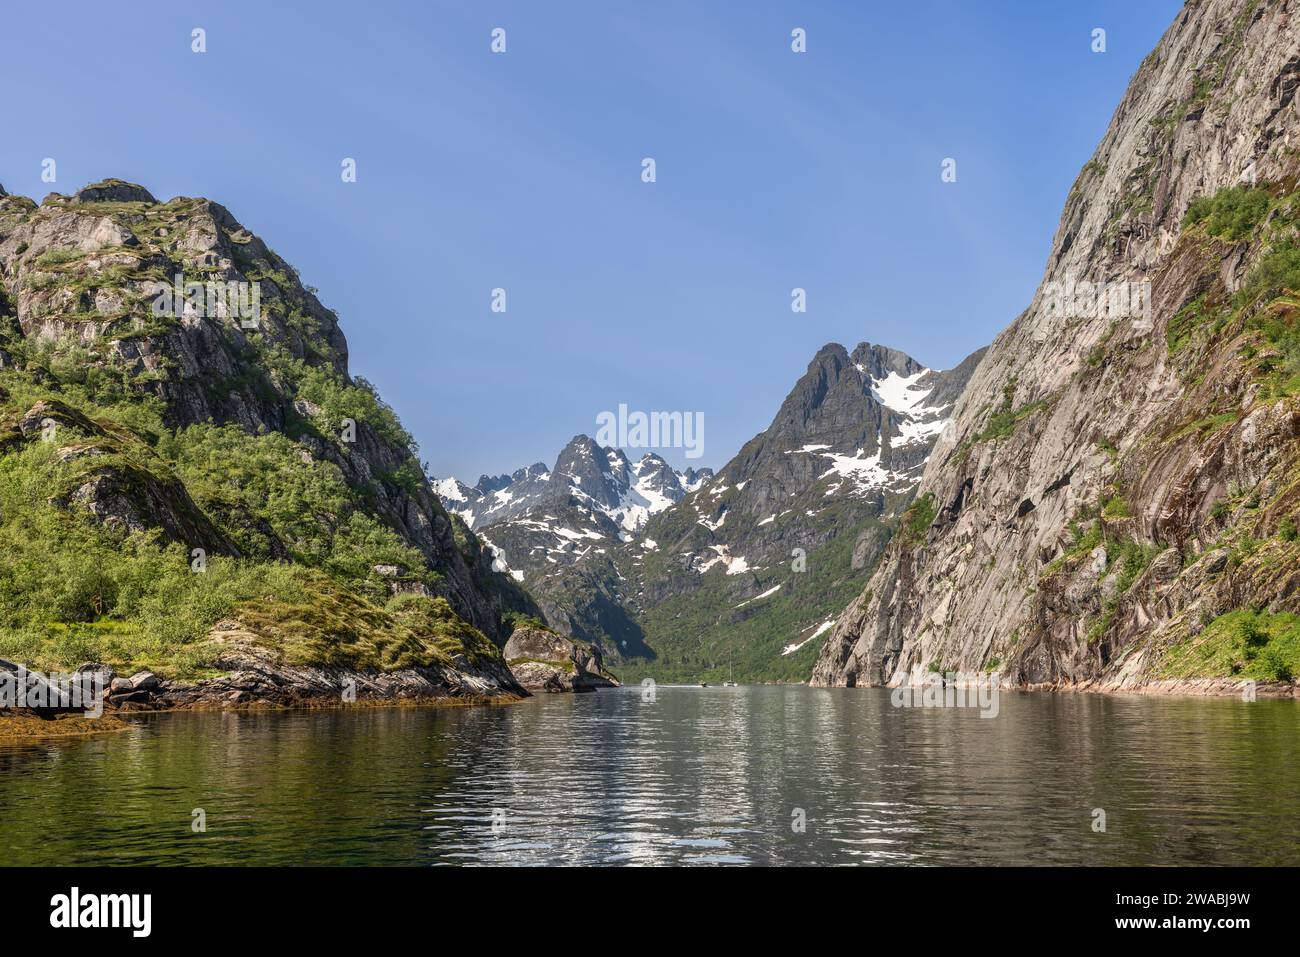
<point x="1267" y="305"/>
<point x="1194" y="316"/>
<point x="73" y="591"/>
<point x="1082" y="541"/>
<point x="918" y="518"/>
<point x="1231" y="214"/>
<point x="1131" y="558"/>
<point x="515" y="620"/>
<point x="696" y="635"/>
<point x="336" y="400"/>
<point x="1003" y="420"/>
<point x="296" y="550"/>
<point x="266" y="496"/>
<point x="1115" y="507"/>
<point x="323" y="624"/>
<point x="1244" y="643"/>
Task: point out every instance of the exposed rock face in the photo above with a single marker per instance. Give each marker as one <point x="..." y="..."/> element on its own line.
<point x="114" y="191"/>
<point x="542" y="660"/>
<point x="1075" y="523"/>
<point x="256" y="675"/>
<point x="259" y="676"/>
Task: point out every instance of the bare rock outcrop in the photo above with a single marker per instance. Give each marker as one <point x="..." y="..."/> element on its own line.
<point x="543" y="660"/>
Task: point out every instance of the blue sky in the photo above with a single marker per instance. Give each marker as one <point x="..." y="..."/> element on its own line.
<point x="523" y="171"/>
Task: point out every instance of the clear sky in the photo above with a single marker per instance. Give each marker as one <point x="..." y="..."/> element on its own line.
<point x="523" y="171"/>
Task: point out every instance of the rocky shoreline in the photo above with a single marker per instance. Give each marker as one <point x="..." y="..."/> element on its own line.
<point x="255" y="681"/>
<point x="1190" y="688"/>
<point x="1164" y="687"/>
<point x="256" y="678"/>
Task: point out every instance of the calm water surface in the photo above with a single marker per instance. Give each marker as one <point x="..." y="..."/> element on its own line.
<point x="698" y="776"/>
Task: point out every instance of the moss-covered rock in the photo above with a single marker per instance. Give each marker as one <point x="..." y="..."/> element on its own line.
<point x="544" y="660"/>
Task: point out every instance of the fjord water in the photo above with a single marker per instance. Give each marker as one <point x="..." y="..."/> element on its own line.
<point x="716" y="775"/>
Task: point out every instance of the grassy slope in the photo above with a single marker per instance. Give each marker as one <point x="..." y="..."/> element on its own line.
<point x="699" y="634"/>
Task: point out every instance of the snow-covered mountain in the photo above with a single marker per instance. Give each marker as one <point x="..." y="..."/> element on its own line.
<point x="849" y="442"/>
<point x="593" y="497"/>
<point x="763" y="555"/>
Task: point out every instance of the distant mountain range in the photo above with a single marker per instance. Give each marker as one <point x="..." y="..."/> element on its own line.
<point x="542" y="516"/>
<point x="666" y="569"/>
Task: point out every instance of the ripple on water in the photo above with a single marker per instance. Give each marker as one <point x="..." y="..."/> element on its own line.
<point x="700" y="776"/>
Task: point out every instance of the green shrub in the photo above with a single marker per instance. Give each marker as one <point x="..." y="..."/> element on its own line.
<point x="1230" y="214"/>
<point x="1115" y="507"/>
<point x="1247" y="643"/>
<point x="918" y="518"/>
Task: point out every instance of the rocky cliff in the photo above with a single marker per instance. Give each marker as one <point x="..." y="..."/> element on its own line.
<point x="1115" y="502"/>
<point x="182" y="445"/>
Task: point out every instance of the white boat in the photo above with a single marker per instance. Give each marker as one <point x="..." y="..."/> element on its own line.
<point x="731" y="675"/>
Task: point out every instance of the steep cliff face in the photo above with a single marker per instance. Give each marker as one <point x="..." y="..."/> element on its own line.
<point x="1114" y="503"/>
<point x="168" y="384"/>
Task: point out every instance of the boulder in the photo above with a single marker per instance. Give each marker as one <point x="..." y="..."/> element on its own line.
<point x="144" y="681"/>
<point x="114" y="191"/>
<point x="544" y="660"/>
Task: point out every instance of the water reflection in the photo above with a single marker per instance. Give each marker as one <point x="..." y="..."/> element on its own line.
<point x="719" y="775"/>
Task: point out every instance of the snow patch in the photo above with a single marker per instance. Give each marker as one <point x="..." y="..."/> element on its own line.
<point x="449" y="489"/>
<point x="824" y="627"/>
<point x="734" y="566"/>
<point x="899" y="392"/>
<point x="771" y="591"/>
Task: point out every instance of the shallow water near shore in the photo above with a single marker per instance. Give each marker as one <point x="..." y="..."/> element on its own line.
<point x="696" y="776"/>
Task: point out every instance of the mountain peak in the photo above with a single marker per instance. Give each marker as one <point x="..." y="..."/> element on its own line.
<point x="879" y="361"/>
<point x="538" y="517"/>
<point x="114" y="191"/>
